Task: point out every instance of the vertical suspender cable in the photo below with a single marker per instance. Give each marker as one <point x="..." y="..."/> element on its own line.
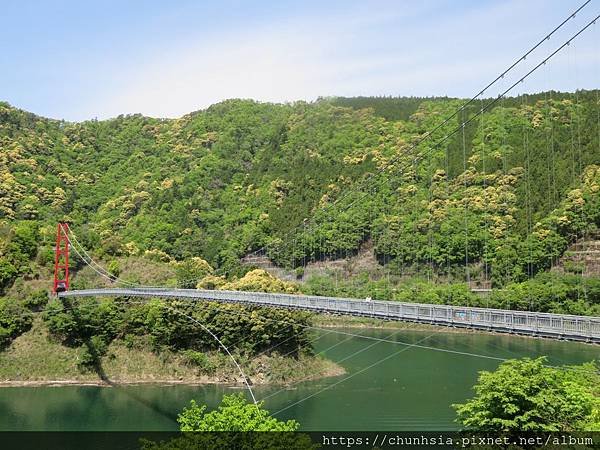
<point x="573" y="116"/>
<point x="524" y="108"/>
<point x="447" y="212"/>
<point x="579" y="113"/>
<point x="465" y="204"/>
<point x="456" y="113"/>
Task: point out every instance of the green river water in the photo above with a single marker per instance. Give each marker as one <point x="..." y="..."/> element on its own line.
<point x="387" y="386"/>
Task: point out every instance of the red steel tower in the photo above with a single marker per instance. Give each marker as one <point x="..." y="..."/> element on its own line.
<point x="61" y="258"/>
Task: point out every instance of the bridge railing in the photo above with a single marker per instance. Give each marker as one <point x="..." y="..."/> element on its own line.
<point x="524" y="322"/>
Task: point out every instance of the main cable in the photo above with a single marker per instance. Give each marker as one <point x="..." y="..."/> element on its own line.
<point x="444" y="122"/>
<point x="113" y="278"/>
<point x="488" y="105"/>
<point x="93" y="264"/>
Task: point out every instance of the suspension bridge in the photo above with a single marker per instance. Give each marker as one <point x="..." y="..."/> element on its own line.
<point x="555" y="326"/>
<point x="532" y="323"/>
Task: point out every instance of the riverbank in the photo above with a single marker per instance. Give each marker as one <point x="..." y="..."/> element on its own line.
<point x="35" y="359"/>
<point x="412" y="390"/>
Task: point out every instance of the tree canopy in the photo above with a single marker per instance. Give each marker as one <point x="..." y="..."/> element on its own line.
<point x="233" y="414"/>
<point x="526" y="395"/>
<point x="498" y="203"/>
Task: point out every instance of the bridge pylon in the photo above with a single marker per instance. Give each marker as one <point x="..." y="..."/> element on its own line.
<point x="61" y="259"/>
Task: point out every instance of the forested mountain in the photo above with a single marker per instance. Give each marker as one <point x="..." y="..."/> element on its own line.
<point x="507" y="193"/>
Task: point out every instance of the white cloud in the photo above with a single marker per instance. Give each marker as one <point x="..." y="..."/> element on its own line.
<point x="264" y="67"/>
<point x="355" y="53"/>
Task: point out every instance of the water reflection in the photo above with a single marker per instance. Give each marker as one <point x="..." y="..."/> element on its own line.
<point x="411" y="390"/>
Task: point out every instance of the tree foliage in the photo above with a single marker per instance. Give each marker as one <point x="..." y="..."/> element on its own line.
<point x="191" y="270"/>
<point x="257" y="280"/>
<point x="506" y="197"/>
<point x="526" y="395"/>
<point x="175" y="325"/>
<point x="233" y="414"/>
<point x="15" y="319"/>
<point x="235" y="423"/>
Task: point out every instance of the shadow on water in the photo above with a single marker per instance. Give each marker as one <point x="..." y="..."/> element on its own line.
<point x="96" y="366"/>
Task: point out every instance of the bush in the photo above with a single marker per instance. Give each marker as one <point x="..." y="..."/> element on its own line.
<point x="7" y="274"/>
<point x="78" y="320"/>
<point x="191" y="271"/>
<point x="211" y="282"/>
<point x="234" y="414"/>
<point x="45" y="256"/>
<point x="36" y="300"/>
<point x="260" y="280"/>
<point x="93" y="350"/>
<point x="199" y="360"/>
<point x="15" y="320"/>
<point x="525" y="395"/>
<point x="114" y="268"/>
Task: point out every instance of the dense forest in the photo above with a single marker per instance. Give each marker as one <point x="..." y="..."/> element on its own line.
<point x="493" y="203"/>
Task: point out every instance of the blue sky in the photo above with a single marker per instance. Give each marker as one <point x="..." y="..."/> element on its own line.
<point x="77" y="60"/>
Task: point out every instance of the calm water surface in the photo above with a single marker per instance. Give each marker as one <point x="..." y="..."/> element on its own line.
<point x="387" y="386"/>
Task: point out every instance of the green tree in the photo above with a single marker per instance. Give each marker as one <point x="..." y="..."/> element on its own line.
<point x="234" y="424"/>
<point x="526" y="395"/>
<point x="114" y="268"/>
<point x="15" y="319"/>
<point x="191" y="271"/>
<point x="241" y="175"/>
<point x="7" y="273"/>
<point x="36" y="300"/>
<point x="233" y="414"/>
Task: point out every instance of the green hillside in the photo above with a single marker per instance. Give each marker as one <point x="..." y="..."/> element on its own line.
<point x="508" y="195"/>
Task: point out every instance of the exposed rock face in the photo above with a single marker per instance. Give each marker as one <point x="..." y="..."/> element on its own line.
<point x="582" y="257"/>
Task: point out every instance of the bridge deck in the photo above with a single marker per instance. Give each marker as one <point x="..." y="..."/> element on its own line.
<point x="557" y="326"/>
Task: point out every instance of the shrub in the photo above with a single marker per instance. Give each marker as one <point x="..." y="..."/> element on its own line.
<point x="260" y="280"/>
<point x="93" y="350"/>
<point x="15" y="320"/>
<point x="36" y="300"/>
<point x="525" y="395"/>
<point x="7" y="274"/>
<point x="45" y="256"/>
<point x="199" y="360"/>
<point x="114" y="268"/>
<point x="191" y="271"/>
<point x="212" y="282"/>
<point x="234" y="414"/>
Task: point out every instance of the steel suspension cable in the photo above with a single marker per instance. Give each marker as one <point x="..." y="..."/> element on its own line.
<point x="347" y="357"/>
<point x="99" y="272"/>
<point x="430" y="133"/>
<point x="501" y="96"/>
<point x="326" y="388"/>
<point x="94" y="265"/>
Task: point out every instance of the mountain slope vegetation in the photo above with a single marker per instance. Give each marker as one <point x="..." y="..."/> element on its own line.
<point x="497" y="201"/>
